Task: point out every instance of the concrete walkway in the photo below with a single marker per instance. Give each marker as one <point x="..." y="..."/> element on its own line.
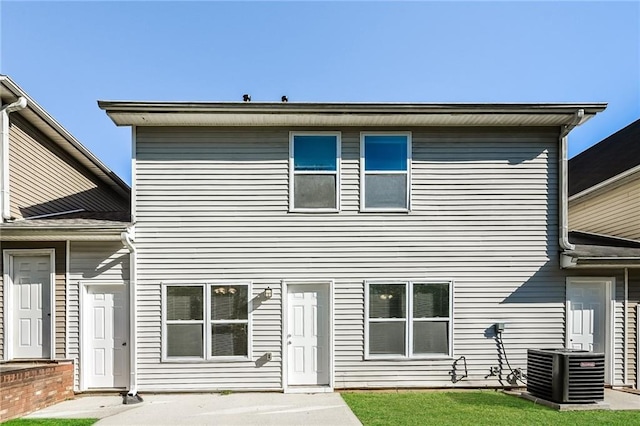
<point x="208" y="409"/>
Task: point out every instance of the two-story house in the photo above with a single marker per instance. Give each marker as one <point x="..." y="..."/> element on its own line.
<point x="65" y="267"/>
<point x="604" y="216"/>
<point x="315" y="246"/>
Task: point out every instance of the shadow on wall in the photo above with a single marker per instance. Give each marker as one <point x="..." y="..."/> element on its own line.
<point x="95" y="203"/>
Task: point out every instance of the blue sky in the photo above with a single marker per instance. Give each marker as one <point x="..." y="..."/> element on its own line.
<point x="67" y="55"/>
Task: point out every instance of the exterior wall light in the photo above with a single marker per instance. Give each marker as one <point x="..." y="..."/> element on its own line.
<point x="268" y="293"/>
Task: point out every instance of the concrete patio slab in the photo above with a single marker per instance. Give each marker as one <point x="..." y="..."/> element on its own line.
<point x="207" y="409"/>
<point x="613" y="400"/>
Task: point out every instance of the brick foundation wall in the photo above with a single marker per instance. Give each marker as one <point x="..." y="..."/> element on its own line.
<point x="23" y="390"/>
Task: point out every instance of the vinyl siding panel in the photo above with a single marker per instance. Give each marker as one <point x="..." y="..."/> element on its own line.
<point x="212" y="204"/>
<point x="611" y="211"/>
<point x="91" y="263"/>
<point x="43" y="179"/>
<point x="632" y="329"/>
<point x="60" y="290"/>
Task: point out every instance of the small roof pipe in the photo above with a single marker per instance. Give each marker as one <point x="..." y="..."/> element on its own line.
<point x="21" y="103"/>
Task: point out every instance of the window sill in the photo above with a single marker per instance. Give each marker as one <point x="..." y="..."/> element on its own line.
<point x="374" y="210"/>
<point x="206" y="361"/>
<point x="435" y="357"/>
<point x="314" y="210"/>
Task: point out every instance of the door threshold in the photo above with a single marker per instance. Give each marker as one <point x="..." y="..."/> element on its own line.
<point x="308" y="389"/>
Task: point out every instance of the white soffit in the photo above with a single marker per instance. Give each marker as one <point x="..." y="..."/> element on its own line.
<point x="268" y="114"/>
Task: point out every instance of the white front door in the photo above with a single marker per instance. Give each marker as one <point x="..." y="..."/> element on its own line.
<point x="308" y="335"/>
<point x="31" y="278"/>
<point x="107" y="352"/>
<point x="588" y="313"/>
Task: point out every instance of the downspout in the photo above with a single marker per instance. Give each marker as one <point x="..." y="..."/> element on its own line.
<point x="127" y="240"/>
<point x="21" y="103"/>
<point x="563" y="209"/>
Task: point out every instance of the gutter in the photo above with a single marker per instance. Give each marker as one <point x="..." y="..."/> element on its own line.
<point x="563" y="210"/>
<point x="128" y="241"/>
<point x="21" y="103"/>
<point x="570" y="262"/>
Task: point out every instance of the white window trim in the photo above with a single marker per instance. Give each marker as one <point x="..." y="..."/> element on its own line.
<point x="207" y="322"/>
<point x="408" y="344"/>
<point x="363" y="173"/>
<point x="337" y="172"/>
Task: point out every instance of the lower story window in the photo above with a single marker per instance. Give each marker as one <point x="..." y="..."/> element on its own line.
<point x="206" y="321"/>
<point x="408" y="319"/>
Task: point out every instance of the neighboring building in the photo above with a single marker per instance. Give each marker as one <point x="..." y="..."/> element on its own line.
<point x="604" y="186"/>
<point x="315" y="246"/>
<point x="604" y="213"/>
<point x="65" y="268"/>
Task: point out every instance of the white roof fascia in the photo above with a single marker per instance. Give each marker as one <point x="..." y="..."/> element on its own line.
<point x="605" y="183"/>
<point x="133" y="113"/>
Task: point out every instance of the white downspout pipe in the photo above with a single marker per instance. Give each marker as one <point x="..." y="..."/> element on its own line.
<point x="563" y="207"/>
<point x="128" y="242"/>
<point x="21" y="103"/>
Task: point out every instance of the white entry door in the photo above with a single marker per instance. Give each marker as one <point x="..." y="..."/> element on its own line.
<point x="31" y="278"/>
<point x="308" y="335"/>
<point x="588" y="314"/>
<point x="106" y="352"/>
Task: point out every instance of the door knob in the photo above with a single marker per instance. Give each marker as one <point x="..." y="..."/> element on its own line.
<point x="124" y="343"/>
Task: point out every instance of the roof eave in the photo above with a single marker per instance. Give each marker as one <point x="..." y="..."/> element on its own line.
<point x="47" y="124"/>
<point x="570" y="262"/>
<point x="133" y="113"/>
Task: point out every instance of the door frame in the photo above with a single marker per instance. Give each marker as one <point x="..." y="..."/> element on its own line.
<point x="285" y="325"/>
<point x="610" y="282"/>
<point x="84" y="329"/>
<point x="8" y="264"/>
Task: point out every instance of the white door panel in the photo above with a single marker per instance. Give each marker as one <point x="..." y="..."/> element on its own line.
<point x="308" y="335"/>
<point x="31" y="280"/>
<point x="587" y="317"/>
<point x="107" y="322"/>
<point x="587" y="301"/>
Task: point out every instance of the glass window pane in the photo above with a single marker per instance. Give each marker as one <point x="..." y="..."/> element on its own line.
<point x="388" y="152"/>
<point x="314" y="191"/>
<point x="431" y="300"/>
<point x="387" y="301"/>
<point x="185" y="303"/>
<point x="314" y="152"/>
<point x="184" y="340"/>
<point x="386" y="191"/>
<point x="386" y="338"/>
<point x="229" y="340"/>
<point x="430" y="337"/>
<point x="229" y="302"/>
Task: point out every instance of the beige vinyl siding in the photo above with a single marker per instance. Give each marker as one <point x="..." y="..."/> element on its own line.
<point x="614" y="210"/>
<point x="43" y="179"/>
<point x="60" y="290"/>
<point x="91" y="263"/>
<point x="212" y="204"/>
<point x="632" y="329"/>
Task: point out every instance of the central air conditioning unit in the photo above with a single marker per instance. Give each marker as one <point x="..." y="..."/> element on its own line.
<point x="565" y="375"/>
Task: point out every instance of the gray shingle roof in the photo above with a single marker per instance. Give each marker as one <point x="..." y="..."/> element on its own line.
<point x="606" y="159"/>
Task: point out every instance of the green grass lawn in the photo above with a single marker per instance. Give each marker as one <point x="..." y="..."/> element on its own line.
<point x="50" y="422"/>
<point x="471" y="408"/>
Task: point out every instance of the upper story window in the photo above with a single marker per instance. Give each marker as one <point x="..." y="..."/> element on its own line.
<point x="385" y="162"/>
<point x="314" y="171"/>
